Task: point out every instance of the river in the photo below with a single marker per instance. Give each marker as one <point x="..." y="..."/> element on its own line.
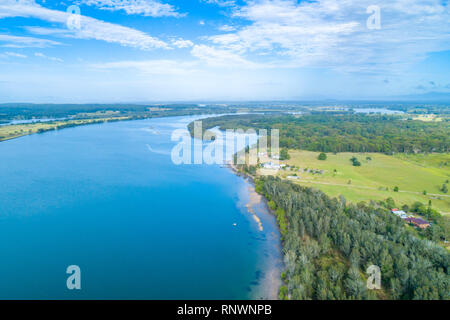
<point x="108" y="198"/>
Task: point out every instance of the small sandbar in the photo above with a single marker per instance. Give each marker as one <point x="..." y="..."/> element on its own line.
<point x="255" y="216"/>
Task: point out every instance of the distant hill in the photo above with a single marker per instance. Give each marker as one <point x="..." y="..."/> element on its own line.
<point x="429" y="96"/>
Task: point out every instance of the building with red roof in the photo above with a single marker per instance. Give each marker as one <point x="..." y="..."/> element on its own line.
<point x="422" y="224"/>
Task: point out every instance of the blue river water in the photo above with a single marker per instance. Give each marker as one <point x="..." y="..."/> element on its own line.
<point x="137" y="225"/>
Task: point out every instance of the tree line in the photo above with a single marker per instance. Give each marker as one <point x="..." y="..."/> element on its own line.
<point x="328" y="245"/>
<point x="325" y="132"/>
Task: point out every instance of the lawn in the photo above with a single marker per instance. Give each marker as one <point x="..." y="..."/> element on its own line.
<point x="376" y="179"/>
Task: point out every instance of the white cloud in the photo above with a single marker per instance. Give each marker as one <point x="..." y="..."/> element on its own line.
<point x="151" y="67"/>
<point x="221" y="58"/>
<point x="41" y="55"/>
<point x="25" y="42"/>
<point x="206" y="57"/>
<point x="329" y="33"/>
<point x="222" y="3"/>
<point x="180" y="43"/>
<point x="13" y="54"/>
<point x="90" y="28"/>
<point x="150" y="8"/>
<point x="226" y="28"/>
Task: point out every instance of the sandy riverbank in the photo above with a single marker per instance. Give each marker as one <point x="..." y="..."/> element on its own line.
<point x="266" y="223"/>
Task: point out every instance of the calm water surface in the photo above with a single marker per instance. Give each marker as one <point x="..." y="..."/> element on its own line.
<point x="138" y="226"/>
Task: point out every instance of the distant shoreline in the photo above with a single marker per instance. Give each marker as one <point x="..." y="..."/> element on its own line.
<point x="42" y="127"/>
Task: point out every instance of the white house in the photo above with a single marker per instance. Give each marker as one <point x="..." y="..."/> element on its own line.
<point x="399" y="213"/>
<point x="271" y="165"/>
<point x="262" y="154"/>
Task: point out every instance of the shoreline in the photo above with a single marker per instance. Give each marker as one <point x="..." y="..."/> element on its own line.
<point x="74" y="122"/>
<point x="274" y="265"/>
<point x="60" y="125"/>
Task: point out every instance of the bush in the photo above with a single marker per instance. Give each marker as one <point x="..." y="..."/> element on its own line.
<point x="355" y="162"/>
<point x="322" y="156"/>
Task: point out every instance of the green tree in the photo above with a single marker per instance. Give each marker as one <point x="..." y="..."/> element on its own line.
<point x="354" y="286"/>
<point x="283" y="295"/>
<point x="284" y="154"/>
<point x="390" y="203"/>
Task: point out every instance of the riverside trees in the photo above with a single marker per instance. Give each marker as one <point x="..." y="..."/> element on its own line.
<point x="325" y="132"/>
<point x="329" y="244"/>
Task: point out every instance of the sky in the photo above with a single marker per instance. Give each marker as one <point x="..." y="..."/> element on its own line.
<point x="222" y="50"/>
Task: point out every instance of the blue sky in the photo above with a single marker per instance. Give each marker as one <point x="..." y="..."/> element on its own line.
<point x="175" y="50"/>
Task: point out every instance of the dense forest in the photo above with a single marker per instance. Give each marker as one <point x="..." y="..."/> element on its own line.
<point x="327" y="132"/>
<point x="329" y="244"/>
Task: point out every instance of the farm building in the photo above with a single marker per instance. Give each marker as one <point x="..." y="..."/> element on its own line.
<point x="399" y="213"/>
<point x="418" y="222"/>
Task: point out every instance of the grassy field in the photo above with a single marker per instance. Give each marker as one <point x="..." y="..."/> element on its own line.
<point x="428" y="118"/>
<point x="14" y="131"/>
<point x="375" y="179"/>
